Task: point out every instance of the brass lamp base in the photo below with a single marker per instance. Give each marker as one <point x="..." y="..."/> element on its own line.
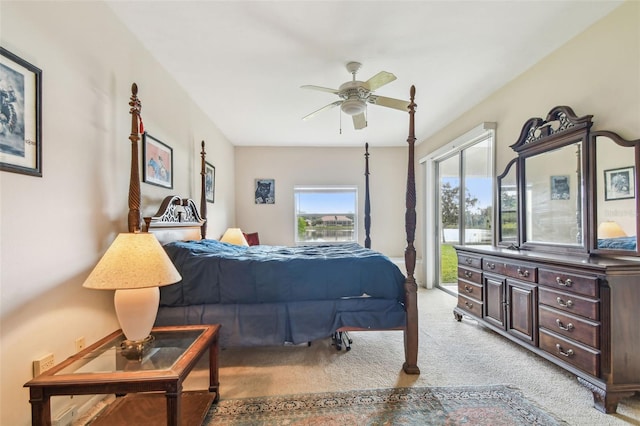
<point x="136" y="349"/>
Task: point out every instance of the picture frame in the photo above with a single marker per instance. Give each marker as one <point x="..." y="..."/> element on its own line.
<point x="157" y="162"/>
<point x="21" y="115"/>
<point x="209" y="182"/>
<point x="265" y="191"/>
<point x="560" y="189"/>
<point x="619" y="184"/>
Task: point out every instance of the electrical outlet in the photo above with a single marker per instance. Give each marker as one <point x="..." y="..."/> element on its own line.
<point x="43" y="364"/>
<point x="80" y="344"/>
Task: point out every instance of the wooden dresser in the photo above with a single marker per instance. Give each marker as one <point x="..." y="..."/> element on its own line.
<point x="580" y="314"/>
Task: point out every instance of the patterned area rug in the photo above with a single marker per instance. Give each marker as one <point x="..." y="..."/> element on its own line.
<point x="473" y="405"/>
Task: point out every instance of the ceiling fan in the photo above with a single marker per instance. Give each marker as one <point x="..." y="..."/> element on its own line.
<point x="354" y="96"/>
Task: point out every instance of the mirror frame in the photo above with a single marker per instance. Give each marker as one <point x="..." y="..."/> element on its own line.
<point x="593" y="195"/>
<point x="537" y="137"/>
<point x="500" y="241"/>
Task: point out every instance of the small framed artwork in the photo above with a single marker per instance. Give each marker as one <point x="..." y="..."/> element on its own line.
<point x="265" y="191"/>
<point x="209" y="182"/>
<point x="560" y="189"/>
<point x="20" y="115"/>
<point x="157" y="162"/>
<point x="619" y="183"/>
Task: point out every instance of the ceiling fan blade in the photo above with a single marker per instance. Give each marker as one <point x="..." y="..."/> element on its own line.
<point x="331" y="105"/>
<point x="359" y="121"/>
<point x="389" y="102"/>
<point x="322" y="89"/>
<point x="379" y="80"/>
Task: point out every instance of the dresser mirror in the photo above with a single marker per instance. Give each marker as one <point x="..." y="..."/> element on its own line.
<point x="615" y="202"/>
<point x="550" y="185"/>
<point x="576" y="189"/>
<point x="554" y="198"/>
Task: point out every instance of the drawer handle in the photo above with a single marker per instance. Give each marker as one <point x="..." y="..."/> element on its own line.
<point x="491" y="265"/>
<point x="522" y="273"/>
<point x="468" y="305"/>
<point x="568" y="327"/>
<point x="468" y="289"/>
<point x="468" y="261"/>
<point x="468" y="274"/>
<point x="566" y="304"/>
<point x="563" y="353"/>
<point x="565" y="283"/>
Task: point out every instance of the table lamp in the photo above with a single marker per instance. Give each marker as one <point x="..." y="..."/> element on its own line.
<point x="135" y="265"/>
<point x="234" y="236"/>
<point x="610" y="229"/>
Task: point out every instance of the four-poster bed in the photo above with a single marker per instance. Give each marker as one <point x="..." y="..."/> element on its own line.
<point x="296" y="307"/>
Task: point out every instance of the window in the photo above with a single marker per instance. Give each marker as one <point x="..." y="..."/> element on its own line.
<point x="326" y="214"/>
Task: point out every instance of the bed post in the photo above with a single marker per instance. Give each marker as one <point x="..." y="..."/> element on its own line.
<point x="410" y="288"/>
<point x="367" y="206"/>
<point x="203" y="193"/>
<point x="134" y="179"/>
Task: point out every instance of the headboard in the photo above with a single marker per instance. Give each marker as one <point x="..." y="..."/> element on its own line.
<point x="176" y="220"/>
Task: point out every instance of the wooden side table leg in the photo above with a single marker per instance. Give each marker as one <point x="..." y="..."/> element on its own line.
<point x="214" y="382"/>
<point x="40" y="407"/>
<point x="174" y="407"/>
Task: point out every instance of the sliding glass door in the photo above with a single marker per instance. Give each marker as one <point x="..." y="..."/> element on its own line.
<point x="464" y="212"/>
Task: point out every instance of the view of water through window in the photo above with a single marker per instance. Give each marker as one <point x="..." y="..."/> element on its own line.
<point x="326" y="214"/>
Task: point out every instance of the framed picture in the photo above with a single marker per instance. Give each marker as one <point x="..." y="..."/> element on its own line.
<point x="209" y="182"/>
<point x="619" y="183"/>
<point x="265" y="191"/>
<point x="560" y="189"/>
<point x="157" y="160"/>
<point x="20" y="115"/>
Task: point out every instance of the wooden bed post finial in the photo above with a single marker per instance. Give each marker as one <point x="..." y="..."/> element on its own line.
<point x="410" y="287"/>
<point x="134" y="218"/>
<point x="367" y="204"/>
<point x="203" y="192"/>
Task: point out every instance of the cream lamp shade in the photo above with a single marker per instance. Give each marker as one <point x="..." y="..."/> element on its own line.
<point x="234" y="236"/>
<point x="610" y="229"/>
<point x="135" y="265"/>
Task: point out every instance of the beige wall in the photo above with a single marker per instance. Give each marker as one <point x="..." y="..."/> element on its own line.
<point x="323" y="166"/>
<point x="597" y="72"/>
<point x="54" y="228"/>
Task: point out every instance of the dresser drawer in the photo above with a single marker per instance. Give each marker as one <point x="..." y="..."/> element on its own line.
<point x="522" y="272"/>
<point x="470" y="290"/>
<point x="569" y="281"/>
<point x="472" y="306"/>
<point x="470" y="261"/>
<point x="584" y="358"/>
<point x="572" y="303"/>
<point x="472" y="275"/>
<point x="576" y="328"/>
<point x="497" y="266"/>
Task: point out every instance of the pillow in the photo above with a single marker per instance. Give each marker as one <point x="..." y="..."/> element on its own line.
<point x="253" y="239"/>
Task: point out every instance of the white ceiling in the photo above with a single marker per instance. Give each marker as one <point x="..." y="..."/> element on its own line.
<point x="243" y="62"/>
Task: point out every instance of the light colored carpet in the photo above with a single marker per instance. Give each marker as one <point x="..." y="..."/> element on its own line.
<point x="451" y="353"/>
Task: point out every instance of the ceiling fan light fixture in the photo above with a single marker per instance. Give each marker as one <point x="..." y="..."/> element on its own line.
<point x="353" y="106"/>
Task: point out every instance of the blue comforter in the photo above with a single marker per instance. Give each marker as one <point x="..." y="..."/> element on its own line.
<point x="214" y="272"/>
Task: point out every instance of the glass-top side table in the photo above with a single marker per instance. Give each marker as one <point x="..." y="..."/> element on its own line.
<point x="105" y="368"/>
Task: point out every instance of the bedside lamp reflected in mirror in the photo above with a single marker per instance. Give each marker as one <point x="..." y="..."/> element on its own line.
<point x="610" y="229"/>
<point x="135" y="265"/>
